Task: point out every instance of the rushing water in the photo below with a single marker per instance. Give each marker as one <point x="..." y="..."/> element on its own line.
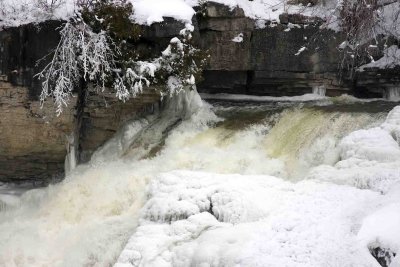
<point x="87" y="219"/>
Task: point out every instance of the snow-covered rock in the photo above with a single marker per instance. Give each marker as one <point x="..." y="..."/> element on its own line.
<point x="243" y="220"/>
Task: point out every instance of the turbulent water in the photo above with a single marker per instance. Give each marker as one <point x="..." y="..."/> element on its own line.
<point x="87" y="219"/>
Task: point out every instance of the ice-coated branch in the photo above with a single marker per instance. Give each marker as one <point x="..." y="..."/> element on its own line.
<point x="95" y="58"/>
<point x="60" y="76"/>
<point x="81" y="53"/>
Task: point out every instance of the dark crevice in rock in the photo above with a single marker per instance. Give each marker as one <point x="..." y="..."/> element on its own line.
<point x="80" y="108"/>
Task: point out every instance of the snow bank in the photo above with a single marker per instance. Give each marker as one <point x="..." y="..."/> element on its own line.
<point x="381" y="229"/>
<point x="373" y="144"/>
<point x="242" y="220"/>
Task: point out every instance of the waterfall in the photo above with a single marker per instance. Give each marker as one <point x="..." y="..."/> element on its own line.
<point x="319" y="90"/>
<point x="308" y="137"/>
<point x="87" y="219"/>
<point x="90" y="215"/>
<point x="393" y="93"/>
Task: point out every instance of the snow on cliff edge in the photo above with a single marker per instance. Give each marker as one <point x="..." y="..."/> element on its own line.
<point x="14" y="13"/>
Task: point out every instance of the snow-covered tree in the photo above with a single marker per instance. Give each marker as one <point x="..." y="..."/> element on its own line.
<point x="97" y="47"/>
<point x="81" y="53"/>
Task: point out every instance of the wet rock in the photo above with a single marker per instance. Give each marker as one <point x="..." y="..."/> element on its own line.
<point x="383" y="256"/>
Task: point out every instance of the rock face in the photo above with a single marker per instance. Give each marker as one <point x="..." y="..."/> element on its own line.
<point x="265" y="62"/>
<point x="244" y="58"/>
<point x="33" y="140"/>
<point x="103" y="115"/>
<point x="268" y="60"/>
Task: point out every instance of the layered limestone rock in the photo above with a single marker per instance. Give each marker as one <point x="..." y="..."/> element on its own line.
<point x="267" y="60"/>
<point x="290" y="58"/>
<point x="32" y="139"/>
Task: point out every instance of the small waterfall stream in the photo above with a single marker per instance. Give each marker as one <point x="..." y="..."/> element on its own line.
<point x="87" y="219"/>
<point x="393" y="93"/>
<point x="319" y="90"/>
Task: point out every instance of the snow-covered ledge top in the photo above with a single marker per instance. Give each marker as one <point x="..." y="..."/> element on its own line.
<point x="148" y="12"/>
<point x="390" y="59"/>
<point x="14" y="13"/>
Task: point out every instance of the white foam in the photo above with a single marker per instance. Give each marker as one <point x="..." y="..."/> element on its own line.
<point x="236" y="97"/>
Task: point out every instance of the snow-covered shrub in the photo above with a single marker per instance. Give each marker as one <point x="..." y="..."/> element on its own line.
<point x="358" y="21"/>
<point x="182" y="63"/>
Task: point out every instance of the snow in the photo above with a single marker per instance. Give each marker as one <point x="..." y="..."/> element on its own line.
<point x="238" y="38"/>
<point x="390" y="59"/>
<point x="14" y="13"/>
<point x="370" y="159"/>
<point x="301" y="50"/>
<point x="381" y="229"/>
<point x="254" y="221"/>
<point x="373" y="144"/>
<point x="19" y="12"/>
<point x="150" y="11"/>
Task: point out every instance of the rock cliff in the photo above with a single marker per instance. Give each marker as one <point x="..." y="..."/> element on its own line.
<point x="246" y="57"/>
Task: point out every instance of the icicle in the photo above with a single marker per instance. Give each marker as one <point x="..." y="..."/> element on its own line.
<point x="70" y="159"/>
